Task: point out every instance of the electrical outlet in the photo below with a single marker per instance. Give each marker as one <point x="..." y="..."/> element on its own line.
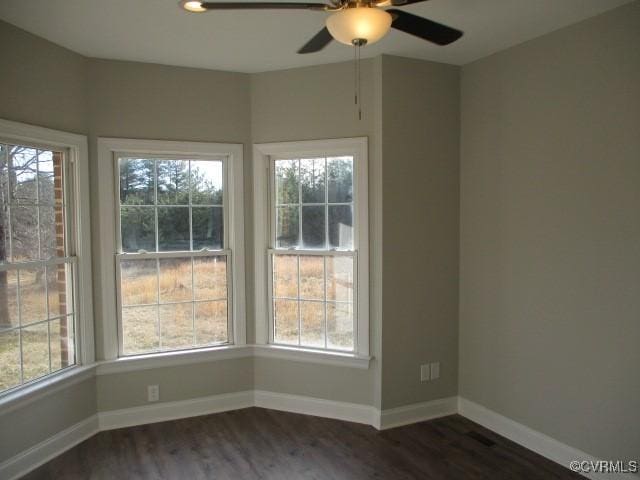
<point x="435" y="370"/>
<point x="425" y="372"/>
<point x="153" y="393"/>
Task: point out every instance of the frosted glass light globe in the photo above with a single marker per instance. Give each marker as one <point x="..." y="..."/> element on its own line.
<point x="368" y="23"/>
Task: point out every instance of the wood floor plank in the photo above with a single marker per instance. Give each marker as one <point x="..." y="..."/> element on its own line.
<point x="256" y="443"/>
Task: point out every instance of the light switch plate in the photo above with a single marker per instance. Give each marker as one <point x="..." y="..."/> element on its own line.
<point x="435" y="370"/>
<point x="153" y="393"/>
<point x="425" y="372"/>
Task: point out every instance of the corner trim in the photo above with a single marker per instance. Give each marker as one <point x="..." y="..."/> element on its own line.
<point x="538" y="442"/>
<point x="417" y="412"/>
<point x="28" y="460"/>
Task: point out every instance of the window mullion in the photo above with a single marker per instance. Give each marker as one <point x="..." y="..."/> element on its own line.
<point x="19" y="295"/>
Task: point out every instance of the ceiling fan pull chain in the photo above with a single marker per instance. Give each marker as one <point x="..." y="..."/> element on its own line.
<point x="356" y="76"/>
<point x="359" y="93"/>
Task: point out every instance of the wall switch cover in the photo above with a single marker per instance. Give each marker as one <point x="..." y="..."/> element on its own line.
<point x="425" y="373"/>
<point x="153" y="393"/>
<point x="435" y="370"/>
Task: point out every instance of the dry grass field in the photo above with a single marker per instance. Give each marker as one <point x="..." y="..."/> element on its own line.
<point x="159" y="312"/>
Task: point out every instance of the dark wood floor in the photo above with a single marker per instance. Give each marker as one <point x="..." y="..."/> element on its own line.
<point x="256" y="443"/>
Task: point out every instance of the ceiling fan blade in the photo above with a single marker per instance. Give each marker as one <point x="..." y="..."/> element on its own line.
<point x="263" y="6"/>
<point x="318" y="42"/>
<point x="423" y="28"/>
<point x="395" y="3"/>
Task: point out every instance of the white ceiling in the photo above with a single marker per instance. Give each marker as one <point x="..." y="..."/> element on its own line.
<point x="158" y="31"/>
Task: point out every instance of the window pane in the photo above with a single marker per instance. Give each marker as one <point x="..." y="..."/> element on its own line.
<point x="208" y="228"/>
<point x="340" y="279"/>
<point x="206" y="183"/>
<point x="340" y="179"/>
<point x="211" y="322"/>
<point x="137" y="180"/>
<point x="5" y="254"/>
<point x="23" y="163"/>
<point x="312" y="323"/>
<point x="176" y="326"/>
<point x="9" y="359"/>
<point x="341" y="226"/>
<point x="287" y="187"/>
<point x="312" y="277"/>
<point x="138" y="225"/>
<point x="173" y="182"/>
<point x="58" y="278"/>
<point x="35" y="351"/>
<point x="312" y="177"/>
<point x="33" y="301"/>
<point x="139" y="282"/>
<point x="140" y="329"/>
<point x="48" y="239"/>
<point x="61" y="343"/>
<point x="286" y="321"/>
<point x="24" y="234"/>
<point x="4" y="179"/>
<point x="45" y="177"/>
<point x="313" y="226"/>
<point x="210" y="277"/>
<point x="173" y="229"/>
<point x="287" y="227"/>
<point x="8" y="300"/>
<point x="285" y="276"/>
<point x="175" y="280"/>
<point x="340" y="326"/>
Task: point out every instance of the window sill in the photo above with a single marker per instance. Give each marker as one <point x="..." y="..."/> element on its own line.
<point x="170" y="359"/>
<point x="312" y="356"/>
<point x="46" y="386"/>
<point x="227" y="352"/>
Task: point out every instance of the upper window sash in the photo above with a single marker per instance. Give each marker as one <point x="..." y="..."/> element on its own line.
<point x="150" y="156"/>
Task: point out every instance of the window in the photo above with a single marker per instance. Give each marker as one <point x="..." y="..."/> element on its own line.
<point x="37" y="263"/>
<point x="175" y="233"/>
<point x="316" y="244"/>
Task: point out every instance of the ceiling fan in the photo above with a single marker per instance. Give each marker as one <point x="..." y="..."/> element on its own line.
<point x="356" y="23"/>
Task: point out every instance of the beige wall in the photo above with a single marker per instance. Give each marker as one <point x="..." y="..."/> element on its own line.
<point x="317" y="103"/>
<point x="129" y="389"/>
<point x="550" y="234"/>
<point x="420" y="127"/>
<point x="52" y="78"/>
<point x="41" y="419"/>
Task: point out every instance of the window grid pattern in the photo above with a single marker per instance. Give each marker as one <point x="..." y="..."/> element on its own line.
<point x="175" y="296"/>
<point x="312" y="283"/>
<point x="37" y="325"/>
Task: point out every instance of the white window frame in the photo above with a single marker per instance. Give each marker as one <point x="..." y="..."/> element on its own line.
<point x="77" y="189"/>
<point x="263" y="155"/>
<point x="109" y="149"/>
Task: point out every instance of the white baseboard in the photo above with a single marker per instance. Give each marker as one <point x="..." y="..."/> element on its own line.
<point x="540" y="443"/>
<point x="351" y="412"/>
<point x="165" y="411"/>
<point x="417" y="412"/>
<point x="30" y="459"/>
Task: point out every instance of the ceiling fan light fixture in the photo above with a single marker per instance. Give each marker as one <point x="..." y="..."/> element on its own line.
<point x="193" y="6"/>
<point x="360" y="23"/>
